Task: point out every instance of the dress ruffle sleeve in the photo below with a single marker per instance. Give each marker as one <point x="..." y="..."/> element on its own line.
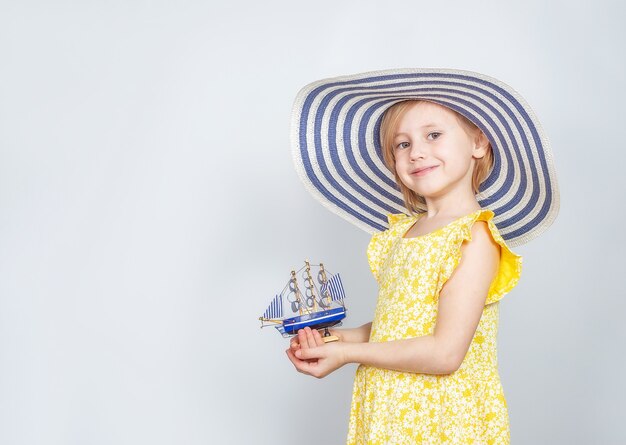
<point x="380" y="243"/>
<point x="509" y="270"/>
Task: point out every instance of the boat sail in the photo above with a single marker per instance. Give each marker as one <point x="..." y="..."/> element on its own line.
<point x="319" y="307"/>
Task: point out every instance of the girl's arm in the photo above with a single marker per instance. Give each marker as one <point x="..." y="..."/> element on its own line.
<point x="461" y="303"/>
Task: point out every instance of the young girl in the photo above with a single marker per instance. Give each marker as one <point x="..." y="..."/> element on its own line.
<point x="428" y="363"/>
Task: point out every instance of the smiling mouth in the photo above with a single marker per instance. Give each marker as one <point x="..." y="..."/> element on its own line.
<point x="423" y="171"/>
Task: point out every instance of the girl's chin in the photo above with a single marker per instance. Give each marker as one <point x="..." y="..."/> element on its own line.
<point x="418" y="185"/>
<point x="423" y="192"/>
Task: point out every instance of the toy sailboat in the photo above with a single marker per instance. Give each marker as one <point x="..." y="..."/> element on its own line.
<point x="319" y="308"/>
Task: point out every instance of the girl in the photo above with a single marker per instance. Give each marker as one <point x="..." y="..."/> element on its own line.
<point x="428" y="362"/>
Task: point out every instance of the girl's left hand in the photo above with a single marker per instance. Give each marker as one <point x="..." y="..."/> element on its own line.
<point x="314" y="357"/>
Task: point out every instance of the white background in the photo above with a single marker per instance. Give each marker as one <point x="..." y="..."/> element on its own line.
<point x="149" y="210"/>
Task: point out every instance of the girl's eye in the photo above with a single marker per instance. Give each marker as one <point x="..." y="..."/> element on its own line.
<point x="402" y="145"/>
<point x="434" y="133"/>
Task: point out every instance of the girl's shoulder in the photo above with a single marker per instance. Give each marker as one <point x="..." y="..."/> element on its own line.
<point x="467" y="224"/>
<point x="510" y="262"/>
<point x="396" y="219"/>
<point x="398" y="222"/>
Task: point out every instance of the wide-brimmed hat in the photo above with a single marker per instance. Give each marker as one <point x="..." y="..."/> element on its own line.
<point x="337" y="152"/>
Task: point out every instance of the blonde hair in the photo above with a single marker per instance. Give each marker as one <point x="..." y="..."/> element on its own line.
<point x="416" y="203"/>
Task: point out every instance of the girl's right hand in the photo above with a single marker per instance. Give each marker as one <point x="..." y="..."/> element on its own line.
<point x="300" y="340"/>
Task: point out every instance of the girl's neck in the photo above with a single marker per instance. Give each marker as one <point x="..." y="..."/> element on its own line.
<point x="451" y="208"/>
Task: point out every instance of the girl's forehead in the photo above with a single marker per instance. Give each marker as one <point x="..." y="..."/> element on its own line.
<point x="426" y="113"/>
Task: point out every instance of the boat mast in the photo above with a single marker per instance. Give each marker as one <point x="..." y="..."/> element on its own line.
<point x="310" y="287"/>
<point x="324" y="281"/>
<point x="296" y="290"/>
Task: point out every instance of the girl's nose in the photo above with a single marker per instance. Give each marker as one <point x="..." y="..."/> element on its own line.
<point x="417" y="151"/>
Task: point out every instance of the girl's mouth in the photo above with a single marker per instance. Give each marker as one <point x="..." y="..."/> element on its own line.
<point x="423" y="171"/>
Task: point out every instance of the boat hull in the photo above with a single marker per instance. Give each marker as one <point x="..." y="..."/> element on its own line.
<point x="316" y="320"/>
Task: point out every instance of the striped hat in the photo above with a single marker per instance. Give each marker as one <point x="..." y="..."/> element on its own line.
<point x="337" y="152"/>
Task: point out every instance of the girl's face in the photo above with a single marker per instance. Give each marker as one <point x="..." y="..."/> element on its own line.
<point x="434" y="154"/>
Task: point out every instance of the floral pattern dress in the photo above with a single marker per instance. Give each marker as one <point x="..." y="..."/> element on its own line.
<point x="465" y="407"/>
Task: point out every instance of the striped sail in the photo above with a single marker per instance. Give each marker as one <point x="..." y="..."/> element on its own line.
<point x="334" y="287"/>
<point x="275" y="309"/>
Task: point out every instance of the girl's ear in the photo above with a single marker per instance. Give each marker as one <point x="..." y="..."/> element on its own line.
<point x="481" y="141"/>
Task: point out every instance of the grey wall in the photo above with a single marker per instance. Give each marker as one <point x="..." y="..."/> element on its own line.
<point x="149" y="210"/>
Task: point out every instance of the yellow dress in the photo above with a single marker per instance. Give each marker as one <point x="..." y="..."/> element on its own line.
<point x="465" y="407"/>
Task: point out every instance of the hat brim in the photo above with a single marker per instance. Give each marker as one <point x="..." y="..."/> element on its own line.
<point x="337" y="153"/>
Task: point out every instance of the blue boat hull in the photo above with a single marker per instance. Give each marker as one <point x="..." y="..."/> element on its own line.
<point x="317" y="320"/>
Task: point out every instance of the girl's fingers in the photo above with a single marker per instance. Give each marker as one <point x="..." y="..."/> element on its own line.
<point x="311" y="354"/>
<point x="294" y="344"/>
<point x="302" y="338"/>
<point x="293" y="359"/>
<point x="317" y="337"/>
<point x="300" y="365"/>
<point x="313" y="368"/>
<point x="310" y="338"/>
